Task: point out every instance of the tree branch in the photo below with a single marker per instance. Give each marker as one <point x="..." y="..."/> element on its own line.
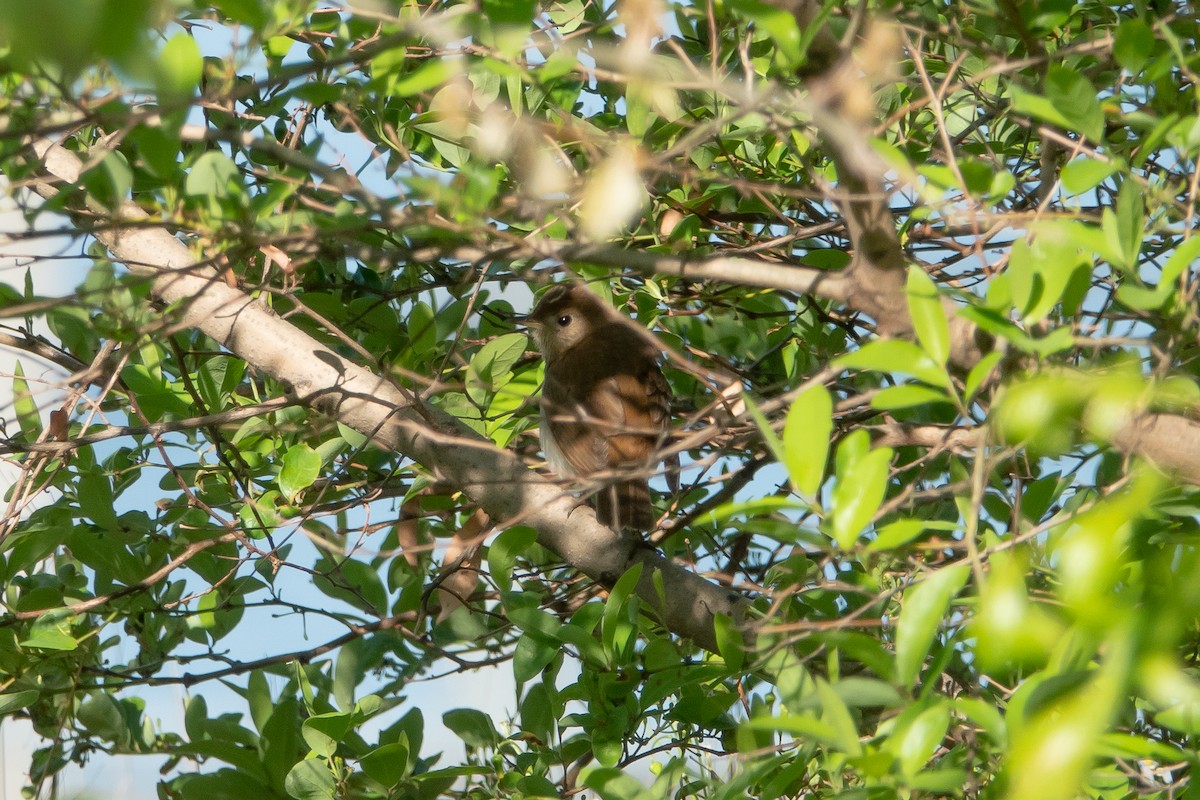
<point x="496" y="479"/>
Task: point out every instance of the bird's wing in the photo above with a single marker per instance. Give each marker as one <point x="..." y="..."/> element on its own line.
<point x="624" y="407"/>
<point x="632" y="410"/>
<point x="575" y="448"/>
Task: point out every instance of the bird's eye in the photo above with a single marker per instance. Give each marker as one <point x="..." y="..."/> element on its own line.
<point x="564" y="320"/>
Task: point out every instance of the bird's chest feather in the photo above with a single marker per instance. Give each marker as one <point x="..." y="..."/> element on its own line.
<point x="594" y="394"/>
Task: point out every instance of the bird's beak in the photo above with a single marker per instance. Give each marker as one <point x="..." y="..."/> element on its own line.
<point x="526" y="321"/>
<point x="516" y="320"/>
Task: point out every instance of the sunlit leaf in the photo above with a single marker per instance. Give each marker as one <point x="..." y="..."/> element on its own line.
<point x="179" y="68"/>
<point x="24" y="406"/>
<point x="806" y="435"/>
<point x="921" y="614"/>
<point x="859" y="491"/>
<point x="301" y="466"/>
<point x="895" y="355"/>
<point x="387" y="763"/>
<point x="311" y="780"/>
<point x="928" y="316"/>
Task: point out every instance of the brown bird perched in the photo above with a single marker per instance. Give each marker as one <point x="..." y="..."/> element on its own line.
<point x="605" y="402"/>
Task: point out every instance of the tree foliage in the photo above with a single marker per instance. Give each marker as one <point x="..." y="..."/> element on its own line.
<point x="923" y="274"/>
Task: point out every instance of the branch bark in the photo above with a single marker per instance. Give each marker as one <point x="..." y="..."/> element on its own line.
<point x="496" y="479"/>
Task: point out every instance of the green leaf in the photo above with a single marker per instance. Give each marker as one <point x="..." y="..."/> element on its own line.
<point x="73" y="326"/>
<point x="277" y="47"/>
<point x="347" y="674"/>
<point x="1055" y="341"/>
<point x="533" y="654"/>
<point x="1044" y="273"/>
<point x="859" y="491"/>
<point x="1084" y="174"/>
<point x="921" y="613"/>
<point x="258" y="698"/>
<point x="422" y="331"/>
<point x="1181" y="259"/>
<point x="985" y="716"/>
<point x="359" y="583"/>
<point x="102" y="715"/>
<point x="204" y="618"/>
<point x="109" y="181"/>
<point x="617" y="626"/>
<point x="660" y="654"/>
<point x="730" y="642"/>
<point x="638" y="114"/>
<point x="928" y="315"/>
<point x="916" y="739"/>
<point x="1070" y="102"/>
<point x="15" y="701"/>
<point x="1127" y="745"/>
<point x="213" y="175"/>
<point x="310" y="780"/>
<point x="908" y="395"/>
<point x="49" y="639"/>
<point x="431" y="73"/>
<point x="1061" y="738"/>
<point x="367" y="706"/>
<point x="323" y="732"/>
<point x="777" y="23"/>
<point x="772" y="440"/>
<point x="835" y="714"/>
<point x="751" y="508"/>
<point x="798" y="725"/>
<point x="503" y="552"/>
<point x="806" y="434"/>
<point x="517" y="13"/>
<point x="217" y="378"/>
<point x="895" y="355"/>
<point x="854" y="447"/>
<point x="540" y="711"/>
<point x="259" y="517"/>
<point x="472" y="726"/>
<point x="1130" y="221"/>
<point x="897" y="533"/>
<point x="350" y="436"/>
<point x="1133" y="44"/>
<point x="980" y="372"/>
<point x="498" y="356"/>
<point x="1022" y="276"/>
<point x="1076" y="98"/>
<point x="96" y="500"/>
<point x="492" y="366"/>
<point x="250" y="12"/>
<point x="1139" y="297"/>
<point x="25" y="408"/>
<point x="180" y="67"/>
<point x="859" y="692"/>
<point x="301" y="466"/>
<point x="387" y="763"/>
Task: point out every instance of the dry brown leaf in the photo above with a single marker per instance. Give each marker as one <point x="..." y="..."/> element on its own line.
<point x="460" y="567"/>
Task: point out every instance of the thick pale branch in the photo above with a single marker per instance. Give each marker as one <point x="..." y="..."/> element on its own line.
<point x="738" y="270"/>
<point x="495" y="479"/>
<point x="1171" y="442"/>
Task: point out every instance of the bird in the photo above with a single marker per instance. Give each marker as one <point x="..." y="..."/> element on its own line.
<point x="606" y="406"/>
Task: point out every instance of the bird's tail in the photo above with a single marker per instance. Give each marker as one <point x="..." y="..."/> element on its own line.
<point x="625" y="505"/>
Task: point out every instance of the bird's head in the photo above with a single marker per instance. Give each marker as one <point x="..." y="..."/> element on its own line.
<point x="564" y="317"/>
